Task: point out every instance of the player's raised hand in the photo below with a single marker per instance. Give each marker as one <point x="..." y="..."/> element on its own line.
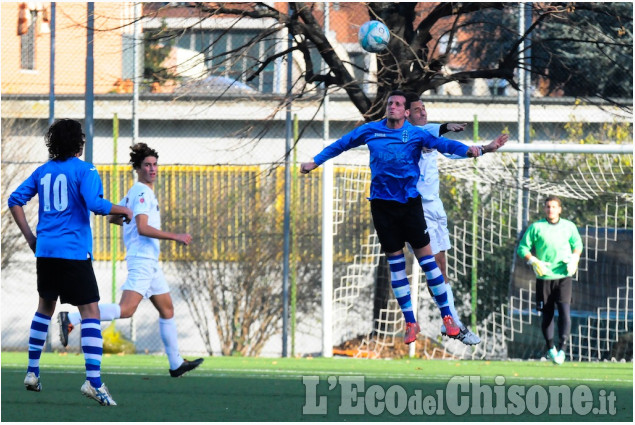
<point x="307" y="167"/>
<point x="496" y="143"/>
<point x="452" y="126"/>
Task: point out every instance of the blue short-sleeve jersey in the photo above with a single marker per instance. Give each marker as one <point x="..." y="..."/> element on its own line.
<point x="394" y="156"/>
<point x="67" y="190"/>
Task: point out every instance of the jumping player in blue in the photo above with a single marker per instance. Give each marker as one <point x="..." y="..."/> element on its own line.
<point x="395" y="148"/>
<point x="68" y="189"/>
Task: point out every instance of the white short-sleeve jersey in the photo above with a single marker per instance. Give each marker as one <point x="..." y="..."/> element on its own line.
<point x="428" y="184"/>
<point x="141" y="200"/>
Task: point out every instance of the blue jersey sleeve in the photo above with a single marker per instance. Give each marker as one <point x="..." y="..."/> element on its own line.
<point x="443" y="145"/>
<point x="93" y="192"/>
<point x="350" y="140"/>
<point x="24" y="193"/>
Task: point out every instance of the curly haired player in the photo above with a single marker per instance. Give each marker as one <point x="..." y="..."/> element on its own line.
<point x="145" y="277"/>
<point x="68" y="190"/>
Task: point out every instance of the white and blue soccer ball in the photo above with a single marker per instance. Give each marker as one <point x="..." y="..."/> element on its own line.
<point x="374" y="36"/>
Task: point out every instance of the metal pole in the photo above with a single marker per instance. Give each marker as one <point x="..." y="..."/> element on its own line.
<point x="52" y="68"/>
<point x="526" y="105"/>
<point x="135" y="103"/>
<point x="114" y="195"/>
<point x="294" y="235"/>
<point x="135" y="77"/>
<point x="475" y="205"/>
<point x="327" y="228"/>
<point x="48" y="347"/>
<point x="287" y="190"/>
<point x="521" y="120"/>
<point x="90" y="75"/>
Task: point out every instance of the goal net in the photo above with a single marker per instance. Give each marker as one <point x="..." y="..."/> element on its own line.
<point x="597" y="194"/>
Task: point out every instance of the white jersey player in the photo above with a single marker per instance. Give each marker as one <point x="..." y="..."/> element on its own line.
<point x="145" y="277"/>
<point x="436" y="218"/>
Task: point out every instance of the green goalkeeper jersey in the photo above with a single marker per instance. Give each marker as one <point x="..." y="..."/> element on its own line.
<point x="552" y="243"/>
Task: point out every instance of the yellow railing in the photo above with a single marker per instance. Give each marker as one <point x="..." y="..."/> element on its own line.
<point x="230" y="210"/>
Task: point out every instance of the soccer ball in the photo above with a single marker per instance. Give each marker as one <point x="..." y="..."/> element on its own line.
<point x="373" y="36"/>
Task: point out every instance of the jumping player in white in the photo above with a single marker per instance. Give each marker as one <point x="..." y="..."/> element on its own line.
<point x="145" y="277"/>
<point x="436" y="218"/>
<point x="395" y="147"/>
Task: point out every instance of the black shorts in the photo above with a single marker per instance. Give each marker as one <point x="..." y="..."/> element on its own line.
<point x="549" y="292"/>
<point x="398" y="223"/>
<point x="73" y="281"/>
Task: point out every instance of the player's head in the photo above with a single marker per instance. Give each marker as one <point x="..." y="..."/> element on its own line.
<point x="396" y="108"/>
<point x="64" y="139"/>
<point x="144" y="161"/>
<point x="416" y="109"/>
<point x="553" y="208"/>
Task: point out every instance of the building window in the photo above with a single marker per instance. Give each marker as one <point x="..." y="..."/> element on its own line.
<point x="27" y="45"/>
<point x="226" y="57"/>
<point x="498" y="87"/>
<point x="360" y="65"/>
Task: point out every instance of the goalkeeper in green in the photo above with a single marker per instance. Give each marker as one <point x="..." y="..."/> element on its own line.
<point x="557" y="246"/>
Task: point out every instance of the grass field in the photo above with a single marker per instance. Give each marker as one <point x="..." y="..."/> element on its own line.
<point x="268" y="389"/>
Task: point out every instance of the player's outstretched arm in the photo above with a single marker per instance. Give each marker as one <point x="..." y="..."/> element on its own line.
<point x="145" y="229"/>
<point x="307" y="167"/>
<point x="496" y="143"/>
<point x="115" y="219"/>
<point x="455" y="127"/>
<point x="124" y="212"/>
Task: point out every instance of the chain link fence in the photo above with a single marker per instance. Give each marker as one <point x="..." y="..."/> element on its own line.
<point x="221" y="144"/>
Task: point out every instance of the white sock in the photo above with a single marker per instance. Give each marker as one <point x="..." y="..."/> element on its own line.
<point x="170" y="341"/>
<point x="107" y="312"/>
<point x="455" y="316"/>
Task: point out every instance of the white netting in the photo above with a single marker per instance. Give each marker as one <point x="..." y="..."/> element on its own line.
<point x="602" y="184"/>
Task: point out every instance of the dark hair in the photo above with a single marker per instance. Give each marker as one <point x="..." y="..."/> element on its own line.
<point x="411" y="97"/>
<point x="141" y="151"/>
<point x="64" y="139"/>
<point x="400" y="93"/>
<point x="553" y="198"/>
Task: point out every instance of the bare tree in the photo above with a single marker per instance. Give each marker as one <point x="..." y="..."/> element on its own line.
<point x="17" y="162"/>
<point x="482" y="37"/>
<point x="233" y="283"/>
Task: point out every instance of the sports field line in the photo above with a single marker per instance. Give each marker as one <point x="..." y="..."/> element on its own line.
<point x="266" y="373"/>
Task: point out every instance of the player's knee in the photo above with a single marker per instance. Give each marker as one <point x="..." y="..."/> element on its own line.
<point x="167" y="312"/>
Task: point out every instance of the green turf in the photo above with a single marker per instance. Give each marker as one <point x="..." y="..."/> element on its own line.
<point x="267" y="389"/>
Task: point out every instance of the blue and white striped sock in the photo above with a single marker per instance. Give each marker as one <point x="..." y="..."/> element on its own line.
<point x="455" y="315"/>
<point x="37" y="338"/>
<point x="436" y="284"/>
<point x="92" y="346"/>
<point x="401" y="286"/>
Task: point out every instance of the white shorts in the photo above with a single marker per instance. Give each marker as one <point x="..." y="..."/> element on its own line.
<point x="145" y="277"/>
<point x="437" y="222"/>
